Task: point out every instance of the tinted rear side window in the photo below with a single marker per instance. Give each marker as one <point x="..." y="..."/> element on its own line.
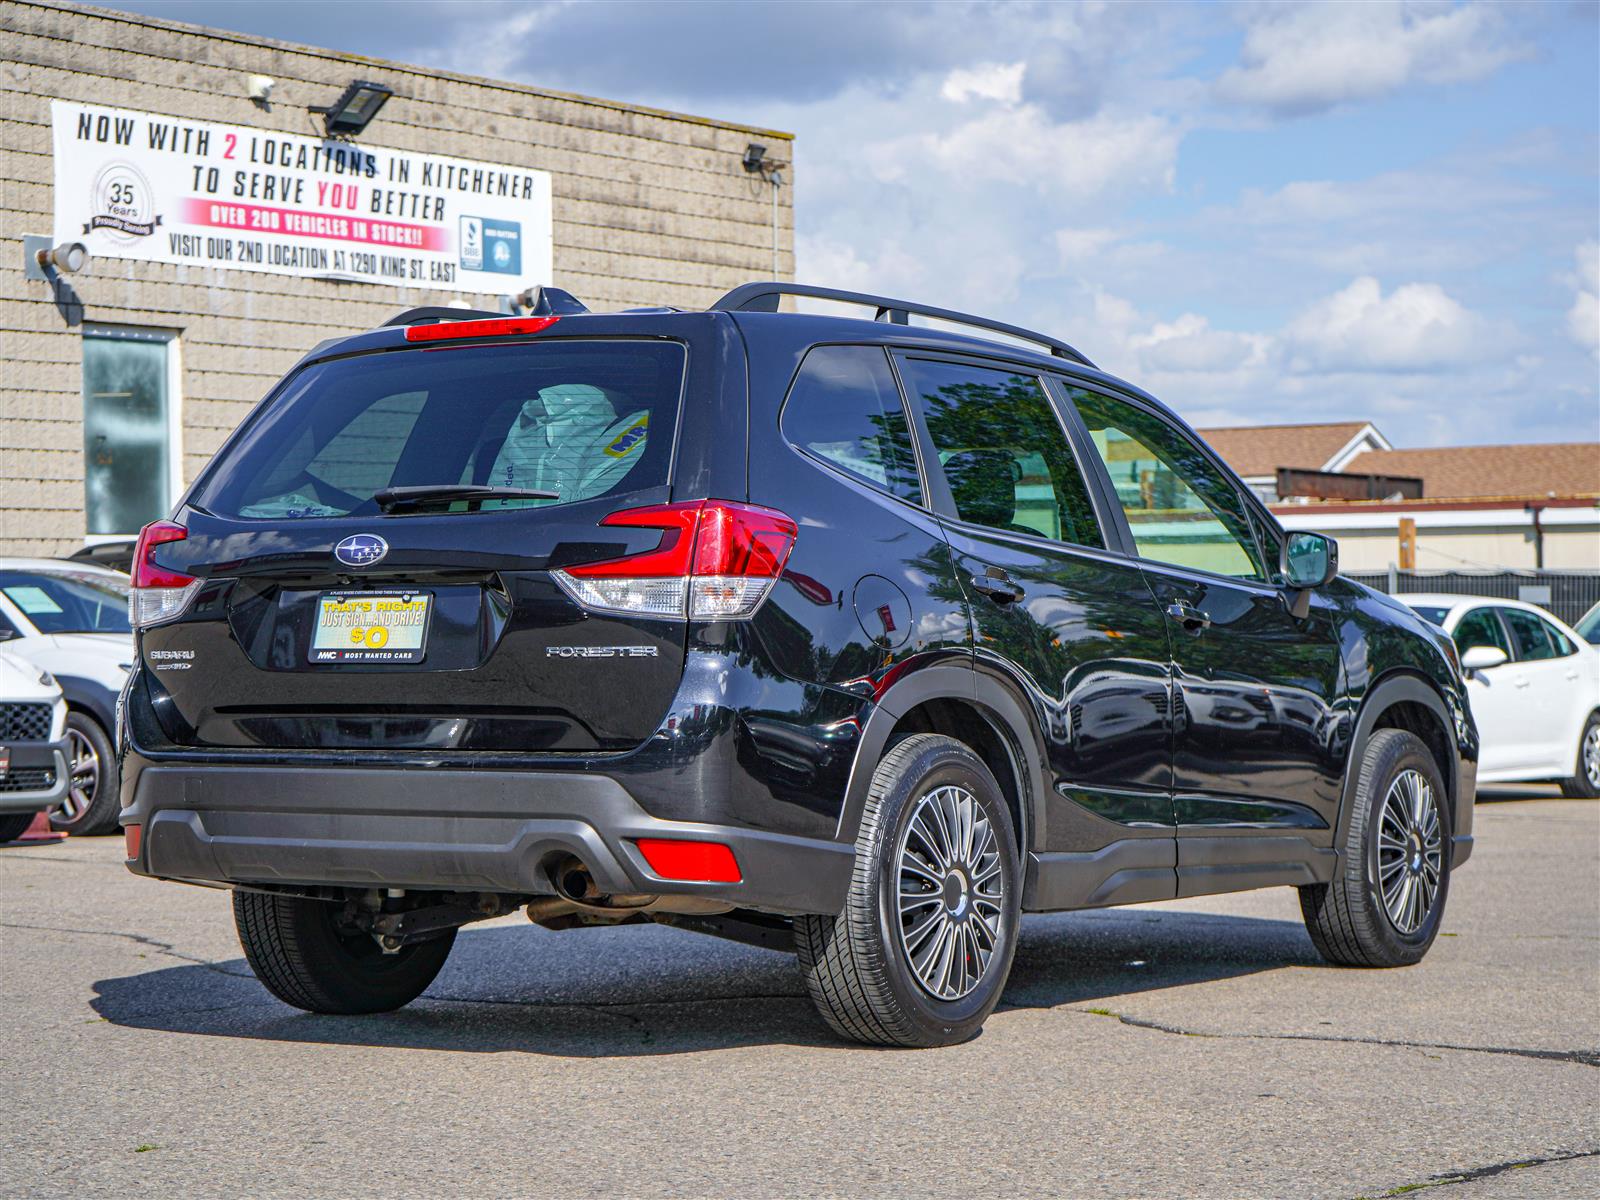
<point x="578" y="418"/>
<point x="1535" y="638"/>
<point x="1004" y="455"/>
<point x="845" y="409"/>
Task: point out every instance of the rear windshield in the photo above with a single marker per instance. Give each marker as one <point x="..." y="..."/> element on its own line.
<point x="1431" y="612"/>
<point x="68" y="601"/>
<point x="577" y="418"/>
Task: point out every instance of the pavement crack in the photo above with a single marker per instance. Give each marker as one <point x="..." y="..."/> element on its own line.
<point x="1587" y="1058"/>
<point x="138" y="939"/>
<point x="1449" y="1178"/>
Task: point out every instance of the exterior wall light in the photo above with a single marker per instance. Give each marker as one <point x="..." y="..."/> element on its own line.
<point x="41" y="260"/>
<point x="354" y="108"/>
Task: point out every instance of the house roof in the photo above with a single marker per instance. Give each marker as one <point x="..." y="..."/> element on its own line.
<point x="1526" y="471"/>
<point x="1254" y="450"/>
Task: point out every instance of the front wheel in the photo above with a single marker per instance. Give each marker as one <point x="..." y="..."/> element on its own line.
<point x="300" y="953"/>
<point x="921" y="952"/>
<point x="1585" y="782"/>
<point x="92" y="801"/>
<point x="1384" y="906"/>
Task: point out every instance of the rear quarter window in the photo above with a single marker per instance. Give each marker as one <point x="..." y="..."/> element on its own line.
<point x="579" y="418"/>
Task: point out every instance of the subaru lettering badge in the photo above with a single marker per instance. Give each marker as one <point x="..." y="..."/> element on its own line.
<point x="361" y="549"/>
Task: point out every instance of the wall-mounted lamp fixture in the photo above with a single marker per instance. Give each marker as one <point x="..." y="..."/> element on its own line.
<point x="41" y="260"/>
<point x="259" y="88"/>
<point x="756" y="162"/>
<point x="354" y="108"/>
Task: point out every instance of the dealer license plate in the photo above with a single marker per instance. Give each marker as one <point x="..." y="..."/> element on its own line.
<point x="371" y="627"/>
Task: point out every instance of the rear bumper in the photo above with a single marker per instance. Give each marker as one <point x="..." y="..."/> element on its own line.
<point x="37" y="777"/>
<point x="442" y="829"/>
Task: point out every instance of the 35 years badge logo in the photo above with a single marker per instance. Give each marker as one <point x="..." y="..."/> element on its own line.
<point x="122" y="203"/>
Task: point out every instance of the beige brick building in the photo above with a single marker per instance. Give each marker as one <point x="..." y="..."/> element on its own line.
<point x="645" y="207"/>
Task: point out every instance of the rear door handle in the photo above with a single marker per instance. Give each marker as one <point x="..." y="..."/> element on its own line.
<point x="998" y="586"/>
<point x="1190" y="617"/>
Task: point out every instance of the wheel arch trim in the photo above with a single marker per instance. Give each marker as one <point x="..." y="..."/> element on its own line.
<point x="1401" y="687"/>
<point x="996" y="703"/>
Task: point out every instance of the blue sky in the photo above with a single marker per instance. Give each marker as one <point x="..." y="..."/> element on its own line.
<point x="1260" y="212"/>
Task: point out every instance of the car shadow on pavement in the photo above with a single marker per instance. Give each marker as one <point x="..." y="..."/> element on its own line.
<point x="631" y="991"/>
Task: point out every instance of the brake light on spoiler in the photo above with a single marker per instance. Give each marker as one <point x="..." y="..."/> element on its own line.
<point x="157" y="594"/>
<point x="450" y="331"/>
<point x="717" y="560"/>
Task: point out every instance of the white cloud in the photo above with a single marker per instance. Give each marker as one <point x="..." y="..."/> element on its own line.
<point x="1583" y="318"/>
<point x="1302" y="59"/>
<point x="1070" y="160"/>
<point x="1417" y="327"/>
<point x="1077" y="244"/>
<point x="1189" y="344"/>
<point x="1001" y="82"/>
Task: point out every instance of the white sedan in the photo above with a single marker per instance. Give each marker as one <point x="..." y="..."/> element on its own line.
<point x="1534" y="687"/>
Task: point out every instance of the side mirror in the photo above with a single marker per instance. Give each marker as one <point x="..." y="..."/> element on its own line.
<point x="1481" y="658"/>
<point x="1310" y="560"/>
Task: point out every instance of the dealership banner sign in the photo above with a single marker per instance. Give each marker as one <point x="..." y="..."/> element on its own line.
<point x="163" y="189"/>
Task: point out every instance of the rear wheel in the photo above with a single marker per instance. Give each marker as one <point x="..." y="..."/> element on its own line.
<point x="1384" y="907"/>
<point x="92" y="801"/>
<point x="921" y="952"/>
<point x="1585" y="783"/>
<point x="14" y="825"/>
<point x="298" y="950"/>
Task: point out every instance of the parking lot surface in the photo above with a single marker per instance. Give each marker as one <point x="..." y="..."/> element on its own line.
<point x="1189" y="1048"/>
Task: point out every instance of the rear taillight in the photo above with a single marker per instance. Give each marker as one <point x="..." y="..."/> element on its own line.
<point x="158" y="594"/>
<point x="716" y="560"/>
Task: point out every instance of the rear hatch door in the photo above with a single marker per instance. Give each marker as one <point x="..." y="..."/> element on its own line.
<point x="357" y="596"/>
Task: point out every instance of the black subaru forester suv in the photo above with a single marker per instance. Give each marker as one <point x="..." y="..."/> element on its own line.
<point x="855" y="637"/>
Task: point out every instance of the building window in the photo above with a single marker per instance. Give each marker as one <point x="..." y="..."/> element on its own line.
<point x="130" y="427"/>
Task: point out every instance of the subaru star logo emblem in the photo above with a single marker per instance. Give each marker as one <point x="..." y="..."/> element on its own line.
<point x="361" y="549"/>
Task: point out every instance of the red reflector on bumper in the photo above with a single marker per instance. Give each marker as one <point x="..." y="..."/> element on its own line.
<point x="131" y="836"/>
<point x="691" y="862"/>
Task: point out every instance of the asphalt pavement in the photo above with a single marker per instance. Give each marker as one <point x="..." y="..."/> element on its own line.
<point x="1193" y="1048"/>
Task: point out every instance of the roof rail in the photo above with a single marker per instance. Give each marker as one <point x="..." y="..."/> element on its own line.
<point x="420" y="316"/>
<point x="764" y="297"/>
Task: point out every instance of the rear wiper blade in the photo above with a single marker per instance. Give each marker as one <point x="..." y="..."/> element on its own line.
<point x="405" y="497"/>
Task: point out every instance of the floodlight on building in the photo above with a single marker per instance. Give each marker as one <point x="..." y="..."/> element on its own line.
<point x="68" y="258"/>
<point x="259" y="88"/>
<point x="753" y="154"/>
<point x="354" y="108"/>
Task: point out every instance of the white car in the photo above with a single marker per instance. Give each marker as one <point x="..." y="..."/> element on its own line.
<point x="71" y="619"/>
<point x="1534" y="687"/>
<point x="33" y="762"/>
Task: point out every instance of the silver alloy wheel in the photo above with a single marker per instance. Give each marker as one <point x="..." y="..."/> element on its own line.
<point x="951" y="892"/>
<point x="84" y="766"/>
<point x="1591" y="756"/>
<point x="1410" y="851"/>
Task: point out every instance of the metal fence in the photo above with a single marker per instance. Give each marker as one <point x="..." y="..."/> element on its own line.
<point x="1568" y="594"/>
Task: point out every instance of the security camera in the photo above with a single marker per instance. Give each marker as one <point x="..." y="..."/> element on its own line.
<point x="259" y="87"/>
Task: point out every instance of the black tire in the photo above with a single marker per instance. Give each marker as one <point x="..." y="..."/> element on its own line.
<point x="302" y="957"/>
<point x="1583" y="785"/>
<point x="1348" y="920"/>
<point x="14" y="825"/>
<point x="100" y="808"/>
<point x="856" y="966"/>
